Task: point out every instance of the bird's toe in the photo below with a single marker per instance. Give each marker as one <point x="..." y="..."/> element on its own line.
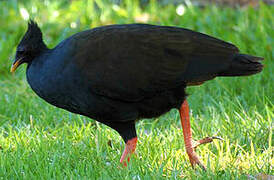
<point x="205" y="141"/>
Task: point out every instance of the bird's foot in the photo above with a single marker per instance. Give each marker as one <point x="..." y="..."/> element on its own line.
<point x="189" y="143"/>
<point x="193" y="158"/>
<point x="129" y="150"/>
<point x="206" y="140"/>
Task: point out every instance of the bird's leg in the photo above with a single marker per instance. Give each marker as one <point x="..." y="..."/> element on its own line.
<point x="190" y="144"/>
<point x="184" y="114"/>
<point x="129" y="150"/>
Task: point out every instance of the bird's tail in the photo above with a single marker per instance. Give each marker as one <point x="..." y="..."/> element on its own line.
<point x="243" y="65"/>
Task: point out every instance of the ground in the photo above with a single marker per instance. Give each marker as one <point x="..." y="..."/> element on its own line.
<point x="38" y="141"/>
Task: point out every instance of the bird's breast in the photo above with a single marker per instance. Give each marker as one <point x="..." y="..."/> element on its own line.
<point x="60" y="85"/>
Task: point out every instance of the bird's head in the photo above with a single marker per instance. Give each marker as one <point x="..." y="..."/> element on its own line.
<point x="30" y="46"/>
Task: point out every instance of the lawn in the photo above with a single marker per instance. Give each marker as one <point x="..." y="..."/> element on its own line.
<point x="39" y="141"/>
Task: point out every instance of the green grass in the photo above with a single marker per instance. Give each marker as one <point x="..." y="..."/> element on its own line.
<point x="39" y="141"/>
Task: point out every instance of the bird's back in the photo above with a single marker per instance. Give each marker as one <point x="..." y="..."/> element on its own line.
<point x="130" y="62"/>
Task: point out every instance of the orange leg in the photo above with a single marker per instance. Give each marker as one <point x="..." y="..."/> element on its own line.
<point x="189" y="143"/>
<point x="129" y="150"/>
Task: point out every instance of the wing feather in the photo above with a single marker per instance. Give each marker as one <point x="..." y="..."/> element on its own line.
<point x="131" y="62"/>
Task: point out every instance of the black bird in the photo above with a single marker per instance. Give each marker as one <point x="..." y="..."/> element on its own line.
<point x="118" y="74"/>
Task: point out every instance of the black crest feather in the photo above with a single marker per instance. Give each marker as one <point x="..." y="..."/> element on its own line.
<point x="33" y="29"/>
<point x="32" y="39"/>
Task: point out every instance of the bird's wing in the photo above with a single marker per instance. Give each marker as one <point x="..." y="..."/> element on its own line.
<point x="130" y="62"/>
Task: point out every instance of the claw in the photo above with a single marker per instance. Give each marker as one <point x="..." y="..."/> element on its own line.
<point x="217" y="137"/>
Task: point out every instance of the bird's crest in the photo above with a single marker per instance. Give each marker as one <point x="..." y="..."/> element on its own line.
<point x="32" y="38"/>
<point x="34" y="29"/>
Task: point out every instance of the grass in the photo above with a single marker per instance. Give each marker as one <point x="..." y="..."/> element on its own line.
<point x="38" y="141"/>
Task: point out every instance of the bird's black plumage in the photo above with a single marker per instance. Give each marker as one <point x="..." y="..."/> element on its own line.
<point x="118" y="74"/>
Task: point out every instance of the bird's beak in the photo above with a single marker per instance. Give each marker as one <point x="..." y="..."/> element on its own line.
<point x="15" y="64"/>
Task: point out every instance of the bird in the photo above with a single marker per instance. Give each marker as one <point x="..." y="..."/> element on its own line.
<point x="121" y="73"/>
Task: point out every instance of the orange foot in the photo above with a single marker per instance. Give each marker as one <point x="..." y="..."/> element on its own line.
<point x="129" y="150"/>
<point x="190" y="144"/>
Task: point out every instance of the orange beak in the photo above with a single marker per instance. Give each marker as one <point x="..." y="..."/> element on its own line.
<point x="15" y="65"/>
